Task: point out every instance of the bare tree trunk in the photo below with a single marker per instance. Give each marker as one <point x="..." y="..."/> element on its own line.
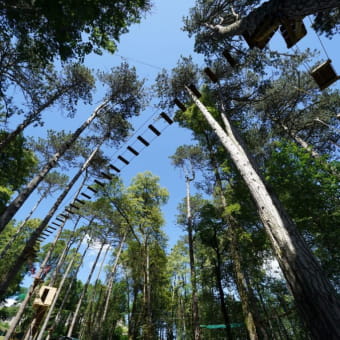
<point x="15" y="268"/>
<point x="81" y="298"/>
<point x="32" y="288"/>
<point x="16" y="204"/>
<point x="56" y="319"/>
<point x="32" y="117"/>
<point x="21" y="227"/>
<point x="195" y="313"/>
<point x="112" y="274"/>
<point x="314" y="295"/>
<point x="61" y="284"/>
<point x="224" y="311"/>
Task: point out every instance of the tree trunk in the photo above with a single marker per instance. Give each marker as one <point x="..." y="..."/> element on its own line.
<point x="21" y="227"/>
<point x="32" y="117"/>
<point x="314" y="295"/>
<point x="61" y="284"/>
<point x="16" y="204"/>
<point x="248" y="309"/>
<point x="274" y="9"/>
<point x="195" y="313"/>
<point x="56" y="319"/>
<point x="224" y="311"/>
<point x="34" y="285"/>
<point x="112" y="274"/>
<point x="15" y="268"/>
<point x="81" y="298"/>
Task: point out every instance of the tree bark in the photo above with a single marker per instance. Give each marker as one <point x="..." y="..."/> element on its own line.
<point x="32" y="117"/>
<point x="113" y="271"/>
<point x="314" y="295"/>
<point x="195" y="312"/>
<point x="21" y="227"/>
<point x="81" y="298"/>
<point x="276" y="10"/>
<point x="218" y="265"/>
<point x="16" y="204"/>
<point x="15" y="268"/>
<point x="61" y="284"/>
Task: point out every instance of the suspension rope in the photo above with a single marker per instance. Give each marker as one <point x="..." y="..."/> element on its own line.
<point x="318" y="36"/>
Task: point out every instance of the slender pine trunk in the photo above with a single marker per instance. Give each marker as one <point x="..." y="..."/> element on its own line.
<point x="111" y="279"/>
<point x="21" y="227"/>
<point x="31" y="118"/>
<point x="195" y="312"/>
<point x="16" y="204"/>
<point x="15" y="268"/>
<point x="315" y="297"/>
<point x="61" y="285"/>
<point x="83" y="293"/>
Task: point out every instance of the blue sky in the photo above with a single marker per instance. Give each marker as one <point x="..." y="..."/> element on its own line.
<point x="156" y="43"/>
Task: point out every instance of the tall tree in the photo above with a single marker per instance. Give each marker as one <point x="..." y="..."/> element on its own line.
<point x="123" y="100"/>
<point x="59" y="30"/>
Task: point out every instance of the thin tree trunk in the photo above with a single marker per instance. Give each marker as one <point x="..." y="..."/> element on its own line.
<point x="111" y="279"/>
<point x="242" y="287"/>
<point x="21" y="227"/>
<point x="56" y="319"/>
<point x="89" y="327"/>
<point x="16" y="204"/>
<point x="15" y="268"/>
<point x="314" y="295"/>
<point x="195" y="313"/>
<point x="61" y="284"/>
<point x="81" y="298"/>
<point x="32" y="288"/>
<point x="224" y="311"/>
<point x="32" y="117"/>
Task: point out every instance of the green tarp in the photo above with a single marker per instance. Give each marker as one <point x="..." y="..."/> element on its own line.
<point x="233" y="325"/>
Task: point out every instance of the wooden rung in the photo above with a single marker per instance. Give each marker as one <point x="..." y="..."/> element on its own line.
<point x="154" y="130"/>
<point x="69" y="211"/>
<point x="263" y="33"/>
<point x="123" y="160"/>
<point x="51" y="227"/>
<point x="166" y="118"/>
<point x="114" y="168"/>
<point x="180" y="105"/>
<point x="212" y="76"/>
<point x="229" y="58"/>
<point x="63" y="215"/>
<point x="86" y="195"/>
<point x="92" y="189"/>
<point x="131" y="149"/>
<point x="193" y="88"/>
<point x="60" y="219"/>
<point x="55" y="223"/>
<point x="48" y="231"/>
<point x="292" y="32"/>
<point x="43" y="233"/>
<point x="141" y="139"/>
<point x="99" y="183"/>
<point x="80" y="201"/>
<point x="74" y="206"/>
<point x="105" y="175"/>
<point x="324" y="74"/>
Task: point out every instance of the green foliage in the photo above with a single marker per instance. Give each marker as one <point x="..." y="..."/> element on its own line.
<point x="68" y="29"/>
<point x="310" y="192"/>
<point x="16" y="166"/>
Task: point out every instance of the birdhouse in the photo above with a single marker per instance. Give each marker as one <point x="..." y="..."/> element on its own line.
<point x="45" y="296"/>
<point x="292" y="32"/>
<point x="324" y="74"/>
<point x="263" y="33"/>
